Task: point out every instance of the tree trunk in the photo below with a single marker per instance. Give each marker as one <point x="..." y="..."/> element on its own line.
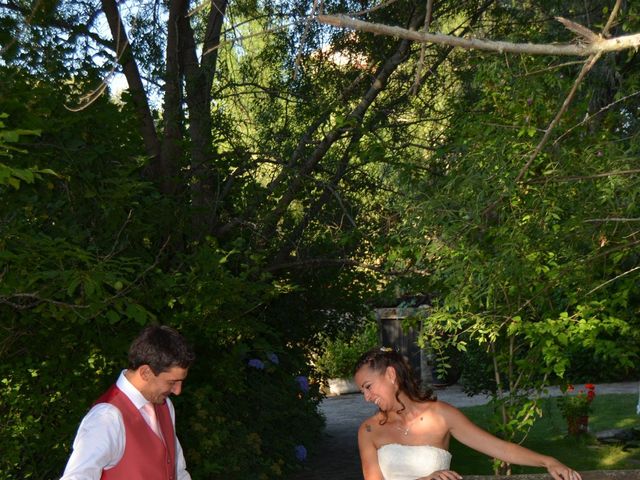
<point x="138" y="94"/>
<point x="198" y="83"/>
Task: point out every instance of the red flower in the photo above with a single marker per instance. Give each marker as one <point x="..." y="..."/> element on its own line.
<point x="577" y="404"/>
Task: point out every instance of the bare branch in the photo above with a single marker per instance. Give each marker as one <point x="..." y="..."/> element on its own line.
<point x="552" y="67"/>
<point x="614" y="279"/>
<point x="373" y="9"/>
<point x="583" y="177"/>
<point x="239" y="38"/>
<point x="117" y="239"/>
<point x="589" y="117"/>
<point x="140" y="276"/>
<point x="305" y="34"/>
<point x="15" y="301"/>
<point x="599" y="45"/>
<point x="427" y="24"/>
<point x="87" y="99"/>
<point x="565" y="105"/>
<point x="337" y="262"/>
<point x="578" y="29"/>
<point x="614" y="14"/>
<point x="612" y="219"/>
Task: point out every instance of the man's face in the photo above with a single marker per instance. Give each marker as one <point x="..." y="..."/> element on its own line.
<point x="158" y="387"/>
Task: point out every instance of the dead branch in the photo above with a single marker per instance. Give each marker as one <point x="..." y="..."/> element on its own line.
<point x="427" y="24"/>
<point x="339" y="262"/>
<point x="565" y="105"/>
<point x="17" y="301"/>
<point x="373" y="9"/>
<point x="577" y="178"/>
<point x="612" y="219"/>
<point x="589" y="117"/>
<point x="599" y="45"/>
<point x="580" y="30"/>
<point x="614" y="14"/>
<point x="613" y="279"/>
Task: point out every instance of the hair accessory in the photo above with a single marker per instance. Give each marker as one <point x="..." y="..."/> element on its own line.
<point x="386" y="349"/>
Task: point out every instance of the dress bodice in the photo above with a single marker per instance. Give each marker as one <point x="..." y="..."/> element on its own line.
<point x="408" y="462"/>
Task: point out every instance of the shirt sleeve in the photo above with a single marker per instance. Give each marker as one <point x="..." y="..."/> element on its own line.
<point x="181" y="464"/>
<point x="99" y="444"/>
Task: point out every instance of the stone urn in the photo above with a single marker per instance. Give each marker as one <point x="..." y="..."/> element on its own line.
<point x="340" y="386"/>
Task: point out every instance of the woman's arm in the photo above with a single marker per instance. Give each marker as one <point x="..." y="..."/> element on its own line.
<point x="368" y="451"/>
<point x="468" y="433"/>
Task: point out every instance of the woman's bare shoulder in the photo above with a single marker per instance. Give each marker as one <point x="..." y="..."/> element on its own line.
<point x="448" y="412"/>
<point x="441" y="408"/>
<point x="441" y="405"/>
<point x="371" y="424"/>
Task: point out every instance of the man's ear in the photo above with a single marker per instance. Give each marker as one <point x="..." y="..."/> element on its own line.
<point x="145" y="372"/>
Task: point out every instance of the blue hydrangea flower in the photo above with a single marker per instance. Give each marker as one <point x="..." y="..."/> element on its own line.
<point x="273" y="358"/>
<point x="301" y="453"/>
<point x="256" y="363"/>
<point x="303" y="383"/>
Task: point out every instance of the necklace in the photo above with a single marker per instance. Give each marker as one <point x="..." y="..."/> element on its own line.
<point x="405" y="430"/>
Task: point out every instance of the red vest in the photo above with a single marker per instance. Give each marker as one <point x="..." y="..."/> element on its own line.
<point x="146" y="457"/>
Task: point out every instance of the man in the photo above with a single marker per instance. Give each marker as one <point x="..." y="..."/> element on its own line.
<point x="119" y="439"/>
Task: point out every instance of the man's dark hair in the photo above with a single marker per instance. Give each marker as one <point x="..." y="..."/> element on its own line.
<point x="161" y="347"/>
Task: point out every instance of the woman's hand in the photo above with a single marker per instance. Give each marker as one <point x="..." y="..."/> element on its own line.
<point x="561" y="472"/>
<point x="442" y="475"/>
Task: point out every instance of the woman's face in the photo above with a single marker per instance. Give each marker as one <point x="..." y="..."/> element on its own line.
<point x="378" y="387"/>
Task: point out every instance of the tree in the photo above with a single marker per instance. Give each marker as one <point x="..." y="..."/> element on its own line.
<point x="531" y="257"/>
<point x="141" y="228"/>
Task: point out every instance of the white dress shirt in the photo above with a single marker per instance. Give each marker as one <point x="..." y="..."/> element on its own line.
<point x="99" y="443"/>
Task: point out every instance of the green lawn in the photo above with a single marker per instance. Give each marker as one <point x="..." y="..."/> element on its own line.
<point x="548" y="436"/>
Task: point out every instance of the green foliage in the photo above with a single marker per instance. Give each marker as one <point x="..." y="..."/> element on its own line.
<point x="529" y="267"/>
<point x="339" y="354"/>
<point x="86" y="261"/>
<point x="549" y="436"/>
<point x="10" y="176"/>
<point x="267" y="399"/>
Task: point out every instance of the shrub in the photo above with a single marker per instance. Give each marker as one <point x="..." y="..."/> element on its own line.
<point x="339" y="354"/>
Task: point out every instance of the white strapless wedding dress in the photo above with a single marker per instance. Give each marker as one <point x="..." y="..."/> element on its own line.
<point x="408" y="462"/>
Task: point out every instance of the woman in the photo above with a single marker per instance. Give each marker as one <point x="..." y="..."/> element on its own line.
<point x="408" y="438"/>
